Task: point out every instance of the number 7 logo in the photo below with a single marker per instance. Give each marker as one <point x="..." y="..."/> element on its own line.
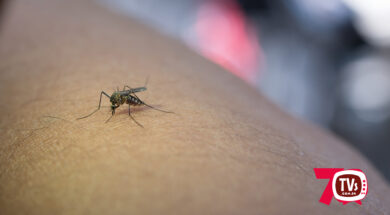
<point x="345" y="185"/>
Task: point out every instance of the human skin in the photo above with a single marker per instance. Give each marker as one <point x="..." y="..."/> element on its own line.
<point x="226" y="150"/>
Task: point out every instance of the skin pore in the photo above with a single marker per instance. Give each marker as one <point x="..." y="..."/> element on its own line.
<point x="226" y="150"/>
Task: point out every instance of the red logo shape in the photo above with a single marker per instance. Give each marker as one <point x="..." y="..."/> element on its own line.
<point x="344" y="185"/>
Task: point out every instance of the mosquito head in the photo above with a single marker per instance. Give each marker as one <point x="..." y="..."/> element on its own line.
<point x="115" y="101"/>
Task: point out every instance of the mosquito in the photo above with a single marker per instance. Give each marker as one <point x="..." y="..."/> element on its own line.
<point x="120" y="97"/>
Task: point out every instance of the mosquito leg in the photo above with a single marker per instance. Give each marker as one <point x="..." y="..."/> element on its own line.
<point x="100" y="102"/>
<point x="134" y="119"/>
<point x="109" y="118"/>
<point x="150" y="106"/>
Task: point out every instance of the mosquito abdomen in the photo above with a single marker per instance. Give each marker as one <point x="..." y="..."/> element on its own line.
<point x="132" y="100"/>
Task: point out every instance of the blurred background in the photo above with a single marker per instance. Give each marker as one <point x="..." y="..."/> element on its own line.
<point x="323" y="61"/>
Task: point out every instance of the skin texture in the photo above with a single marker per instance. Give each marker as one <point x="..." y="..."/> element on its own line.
<point x="227" y="150"/>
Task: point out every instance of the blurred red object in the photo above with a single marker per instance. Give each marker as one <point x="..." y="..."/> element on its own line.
<point x="225" y="38"/>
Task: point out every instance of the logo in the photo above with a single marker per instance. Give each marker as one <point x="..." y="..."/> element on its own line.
<point x="344" y="185"/>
